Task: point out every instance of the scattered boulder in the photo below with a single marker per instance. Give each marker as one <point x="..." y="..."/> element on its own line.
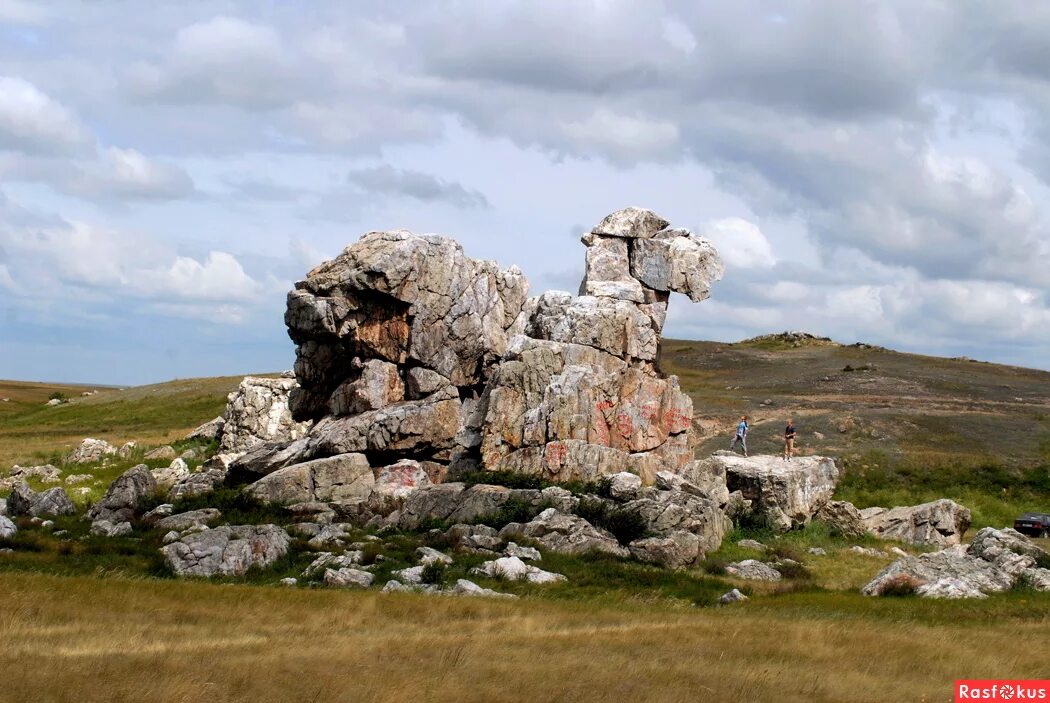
<point x="995" y="561"/>
<point x="329" y="561"/>
<point x="842" y="517"/>
<point x="74" y="479"/>
<point x="514" y="569"/>
<point x="125" y="495"/>
<point x="464" y="587"/>
<point x="168" y="477"/>
<point x="105" y="528"/>
<point x="867" y="551"/>
<point x="941" y="522"/>
<point x="753" y="570"/>
<point x="184" y="521"/>
<point x="25" y="501"/>
<point x="208" y="432"/>
<point x="784" y="494"/>
<point x="342" y="477"/>
<point x="524" y="553"/>
<point x="428" y="555"/>
<point x="127" y="449"/>
<point x="198" y="484"/>
<point x="348" y="578"/>
<point x="226" y="551"/>
<point x="7" y="528"/>
<point x="158" y="513"/>
<point x="817" y="551"/>
<point x="677" y="550"/>
<point x="45" y="474"/>
<point x="734" y="596"/>
<point x="91" y="451"/>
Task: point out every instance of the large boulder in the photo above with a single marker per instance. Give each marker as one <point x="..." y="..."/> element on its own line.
<point x="7" y="528"/>
<point x="226" y="551"/>
<point x="941" y="522"/>
<point x="995" y="561"/>
<point x="91" y="451"/>
<point x="783" y="494"/>
<point x="842" y="517"/>
<point x="570" y="534"/>
<point x="258" y="412"/>
<point x="341" y="477"/>
<point x="184" y="521"/>
<point x="125" y="496"/>
<point x="52" y="502"/>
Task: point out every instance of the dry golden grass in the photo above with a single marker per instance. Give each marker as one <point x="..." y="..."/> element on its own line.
<point x="84" y="640"/>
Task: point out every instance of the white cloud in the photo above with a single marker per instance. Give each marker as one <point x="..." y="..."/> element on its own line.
<point x="128" y="174"/>
<point x="740" y="243"/>
<point x="34" y="123"/>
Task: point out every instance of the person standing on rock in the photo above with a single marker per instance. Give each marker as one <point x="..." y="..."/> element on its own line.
<point x="741" y="435"/>
<point x="789" y="440"/>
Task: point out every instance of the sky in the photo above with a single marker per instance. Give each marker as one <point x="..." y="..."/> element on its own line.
<point x="869" y="171"/>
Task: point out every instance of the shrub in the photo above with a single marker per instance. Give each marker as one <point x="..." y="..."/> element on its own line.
<point x="901" y="585"/>
<point x="514" y="510"/>
<point x="714" y="565"/>
<point x="625" y="525"/>
<point x="434" y="573"/>
<point x="58" y="395"/>
<point x="793" y="570"/>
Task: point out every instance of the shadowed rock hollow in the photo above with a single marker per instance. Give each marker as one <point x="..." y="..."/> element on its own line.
<point x="406" y="348"/>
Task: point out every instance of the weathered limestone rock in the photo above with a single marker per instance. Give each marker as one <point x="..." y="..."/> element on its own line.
<point x="942" y="522"/>
<point x="734" y="596"/>
<point x="226" y="551"/>
<point x="209" y="431"/>
<point x="184" y="521"/>
<point x="624" y="486"/>
<point x="784" y="494"/>
<point x="25" y="501"/>
<point x="376" y="385"/>
<point x="843" y="517"/>
<point x="198" y="484"/>
<point x="994" y="561"/>
<point x="125" y="495"/>
<point x="348" y="578"/>
<point x="258" y="412"/>
<point x="570" y="534"/>
<point x="166" y="478"/>
<point x="45" y="474"/>
<point x="514" y="569"/>
<point x="675" y="261"/>
<point x="677" y="550"/>
<point x="408" y="349"/>
<point x="437" y="502"/>
<point x="359" y="305"/>
<point x="7" y="528"/>
<point x="105" y="528"/>
<point x="91" y="451"/>
<point x="667" y="513"/>
<point x="341" y="477"/>
<point x="753" y="570"/>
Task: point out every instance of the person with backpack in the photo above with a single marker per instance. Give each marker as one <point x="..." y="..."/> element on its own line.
<point x="789" y="440"/>
<point x="741" y="435"/>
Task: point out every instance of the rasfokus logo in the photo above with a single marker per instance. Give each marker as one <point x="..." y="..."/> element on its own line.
<point x="992" y="691"/>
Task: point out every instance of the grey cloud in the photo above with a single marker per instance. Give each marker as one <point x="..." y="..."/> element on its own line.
<point x="386" y="180"/>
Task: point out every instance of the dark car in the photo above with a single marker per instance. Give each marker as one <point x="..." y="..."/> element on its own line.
<point x="1034" y="524"/>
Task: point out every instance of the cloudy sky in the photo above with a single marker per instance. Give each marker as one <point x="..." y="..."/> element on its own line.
<point x="872" y="171"/>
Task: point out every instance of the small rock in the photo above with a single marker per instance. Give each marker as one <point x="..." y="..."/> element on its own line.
<point x="105" y="528"/>
<point x="412" y="575"/>
<point x="867" y="551"/>
<point x="171" y="537"/>
<point x="78" y="478"/>
<point x="898" y="551"/>
<point x="161" y="511"/>
<point x="624" y="486"/>
<point x="734" y="596"/>
<point x="751" y="544"/>
<point x="47" y="524"/>
<point x="289" y="582"/>
<point x="428" y="556"/>
<point x="817" y="551"/>
<point x="327" y="560"/>
<point x="514" y="550"/>
<point x="464" y="587"/>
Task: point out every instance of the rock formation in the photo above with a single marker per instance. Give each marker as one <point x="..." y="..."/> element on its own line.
<point x="407" y="349"/>
<point x="256" y="412"/>
<point x="941" y="522"/>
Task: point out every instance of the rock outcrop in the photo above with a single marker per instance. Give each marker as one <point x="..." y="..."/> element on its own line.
<point x="341" y="477"/>
<point x="408" y="349"/>
<point x="91" y="451"/>
<point x="125" y="496"/>
<point x="783" y="494"/>
<point x="941" y="522"/>
<point x="258" y="412"/>
<point x="995" y="561"/>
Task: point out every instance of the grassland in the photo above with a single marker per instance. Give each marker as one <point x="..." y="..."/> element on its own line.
<point x="113" y="625"/>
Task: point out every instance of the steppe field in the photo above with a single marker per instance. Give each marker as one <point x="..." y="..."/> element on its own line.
<point x="85" y="618"/>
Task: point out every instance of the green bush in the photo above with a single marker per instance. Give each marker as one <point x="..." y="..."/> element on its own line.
<point x="434" y="573"/>
<point x="625" y="525"/>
